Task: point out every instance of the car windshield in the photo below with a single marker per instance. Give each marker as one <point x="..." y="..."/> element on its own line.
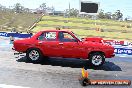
<point x="77" y="36"/>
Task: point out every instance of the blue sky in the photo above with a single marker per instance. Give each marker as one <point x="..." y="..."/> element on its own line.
<point x="107" y="5"/>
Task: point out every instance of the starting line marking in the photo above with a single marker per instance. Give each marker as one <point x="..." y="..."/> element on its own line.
<point x="11" y="86"/>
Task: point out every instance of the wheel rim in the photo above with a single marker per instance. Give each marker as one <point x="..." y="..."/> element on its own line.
<point x="97" y="60"/>
<point x="34" y="55"/>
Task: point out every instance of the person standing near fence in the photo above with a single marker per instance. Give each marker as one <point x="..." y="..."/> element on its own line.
<point x="11" y="39"/>
<point x="57" y="28"/>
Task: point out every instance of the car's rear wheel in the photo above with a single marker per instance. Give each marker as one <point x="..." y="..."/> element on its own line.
<point x="34" y="55"/>
<point x="97" y="59"/>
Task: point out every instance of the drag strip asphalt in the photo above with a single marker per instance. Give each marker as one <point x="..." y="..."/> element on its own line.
<point x="58" y="72"/>
<point x="17" y="72"/>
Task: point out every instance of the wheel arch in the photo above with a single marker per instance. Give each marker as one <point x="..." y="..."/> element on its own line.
<point x="34" y="48"/>
<point x="95" y="52"/>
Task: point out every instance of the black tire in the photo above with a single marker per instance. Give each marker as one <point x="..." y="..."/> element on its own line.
<point x="38" y="57"/>
<point x="93" y="59"/>
<point x="46" y="57"/>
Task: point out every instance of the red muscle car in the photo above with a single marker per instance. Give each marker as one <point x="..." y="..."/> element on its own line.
<point x="66" y="44"/>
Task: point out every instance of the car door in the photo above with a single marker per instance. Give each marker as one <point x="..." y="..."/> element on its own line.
<point x="49" y="44"/>
<point x="70" y="46"/>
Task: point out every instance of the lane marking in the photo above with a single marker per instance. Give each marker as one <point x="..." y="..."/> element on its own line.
<point x="11" y="86"/>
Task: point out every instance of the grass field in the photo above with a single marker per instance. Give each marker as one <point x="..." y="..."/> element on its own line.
<point x="20" y="22"/>
<point x="83" y="27"/>
<point x="81" y="20"/>
<point x="111" y="29"/>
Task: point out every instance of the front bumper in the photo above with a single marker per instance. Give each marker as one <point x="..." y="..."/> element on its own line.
<point x="110" y="55"/>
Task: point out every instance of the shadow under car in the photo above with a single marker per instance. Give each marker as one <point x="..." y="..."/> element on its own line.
<point x="73" y="63"/>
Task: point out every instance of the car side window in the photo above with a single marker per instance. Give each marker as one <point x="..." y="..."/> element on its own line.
<point x="66" y="37"/>
<point x="50" y="36"/>
<point x="41" y="37"/>
<point x="47" y="36"/>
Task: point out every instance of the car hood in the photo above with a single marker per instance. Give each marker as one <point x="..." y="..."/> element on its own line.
<point x="93" y="39"/>
<point x="97" y="45"/>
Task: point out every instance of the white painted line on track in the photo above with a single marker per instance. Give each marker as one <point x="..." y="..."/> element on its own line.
<point x="11" y="86"/>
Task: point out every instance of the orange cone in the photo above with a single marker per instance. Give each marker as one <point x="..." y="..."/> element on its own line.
<point x="84" y="73"/>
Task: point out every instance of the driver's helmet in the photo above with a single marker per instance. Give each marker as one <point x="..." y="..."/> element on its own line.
<point x="61" y="35"/>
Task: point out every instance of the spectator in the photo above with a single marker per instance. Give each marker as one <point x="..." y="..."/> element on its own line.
<point x="13" y="30"/>
<point x="57" y="28"/>
<point x="11" y="39"/>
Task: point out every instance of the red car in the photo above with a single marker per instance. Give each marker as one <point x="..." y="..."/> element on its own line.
<point x="62" y="43"/>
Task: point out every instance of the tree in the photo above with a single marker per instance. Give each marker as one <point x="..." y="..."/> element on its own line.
<point x="43" y="7"/>
<point x="53" y="9"/>
<point x="108" y="15"/>
<point x="114" y="16"/>
<point x="26" y="10"/>
<point x="18" y="8"/>
<point x="72" y="12"/>
<point x="101" y="14"/>
<point x="118" y="15"/>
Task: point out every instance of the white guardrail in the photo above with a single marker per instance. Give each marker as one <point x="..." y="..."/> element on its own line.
<point x="122" y="48"/>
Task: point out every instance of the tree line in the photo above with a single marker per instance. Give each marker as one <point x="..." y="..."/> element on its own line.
<point x="117" y="15"/>
<point x="18" y="8"/>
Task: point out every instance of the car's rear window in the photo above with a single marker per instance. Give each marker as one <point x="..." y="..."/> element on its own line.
<point x="47" y="36"/>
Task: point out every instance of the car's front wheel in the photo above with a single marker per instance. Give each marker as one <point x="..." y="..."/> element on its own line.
<point x="97" y="59"/>
<point x="34" y="55"/>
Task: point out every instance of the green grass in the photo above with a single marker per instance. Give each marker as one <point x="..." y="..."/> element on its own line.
<point x="116" y="25"/>
<point x="24" y="20"/>
<point x="50" y="23"/>
<point x="116" y="34"/>
<point x="90" y="33"/>
<point x="87" y="20"/>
